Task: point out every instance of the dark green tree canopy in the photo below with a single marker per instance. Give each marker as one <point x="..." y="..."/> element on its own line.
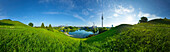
<point x="50" y="26"/>
<point x="42" y="25"/>
<point x="30" y="24"/>
<point x="165" y="18"/>
<point x="143" y="19"/>
<point x="7" y="19"/>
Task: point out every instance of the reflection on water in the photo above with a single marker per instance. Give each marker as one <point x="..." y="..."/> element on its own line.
<point x="80" y="33"/>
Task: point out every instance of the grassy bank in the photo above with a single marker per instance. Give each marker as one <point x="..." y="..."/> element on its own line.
<point x="153" y="36"/>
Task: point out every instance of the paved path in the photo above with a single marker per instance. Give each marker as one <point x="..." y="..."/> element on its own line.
<point x="67" y="34"/>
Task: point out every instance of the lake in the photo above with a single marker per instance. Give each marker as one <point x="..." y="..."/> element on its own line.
<point x="80" y="33"/>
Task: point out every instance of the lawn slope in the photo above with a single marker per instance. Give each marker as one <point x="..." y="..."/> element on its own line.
<point x="153" y="36"/>
<point x="16" y="36"/>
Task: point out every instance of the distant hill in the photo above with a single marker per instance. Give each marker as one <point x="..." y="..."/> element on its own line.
<point x="160" y="21"/>
<point x="153" y="36"/>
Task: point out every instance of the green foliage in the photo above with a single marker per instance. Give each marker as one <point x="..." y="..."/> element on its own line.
<point x="101" y="30"/>
<point x="143" y="19"/>
<point x="30" y="24"/>
<point x="94" y="30"/>
<point x="69" y="29"/>
<point x="50" y="26"/>
<point x="42" y="25"/>
<point x="7" y="19"/>
<point x="90" y="35"/>
<point x="165" y="18"/>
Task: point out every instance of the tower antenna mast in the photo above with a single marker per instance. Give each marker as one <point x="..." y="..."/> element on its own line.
<point x="102" y="14"/>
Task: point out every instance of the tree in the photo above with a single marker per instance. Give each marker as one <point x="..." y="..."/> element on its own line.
<point x="165" y="18"/>
<point x="42" y="25"/>
<point x="50" y="26"/>
<point x="65" y="30"/>
<point x="143" y="19"/>
<point x="101" y="30"/>
<point x="68" y="30"/>
<point x="70" y="27"/>
<point x="46" y="27"/>
<point x="30" y="24"/>
<point x="7" y="19"/>
<point x="95" y="30"/>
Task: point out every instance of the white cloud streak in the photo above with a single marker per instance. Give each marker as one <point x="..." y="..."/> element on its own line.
<point x="122" y="10"/>
<point x="85" y="12"/>
<point x="55" y="13"/>
<point x="89" y="9"/>
<point x="149" y="16"/>
<point x="51" y="12"/>
<point x="3" y="16"/>
<point x="79" y="17"/>
<point x="91" y="16"/>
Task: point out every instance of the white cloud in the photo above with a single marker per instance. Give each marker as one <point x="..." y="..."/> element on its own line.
<point x="97" y="1"/>
<point x="89" y="9"/>
<point x="55" y="13"/>
<point x="122" y="10"/>
<point x="90" y="23"/>
<point x="85" y="12"/>
<point x="91" y="16"/>
<point x="3" y="16"/>
<point x="51" y="12"/>
<point x="125" y="15"/>
<point x="115" y="15"/>
<point x="149" y="16"/>
<point x="79" y="17"/>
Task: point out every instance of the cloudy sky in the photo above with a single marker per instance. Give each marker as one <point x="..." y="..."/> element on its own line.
<point x="83" y="12"/>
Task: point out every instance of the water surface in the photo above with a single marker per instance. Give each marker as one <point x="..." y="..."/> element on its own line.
<point x="80" y="33"/>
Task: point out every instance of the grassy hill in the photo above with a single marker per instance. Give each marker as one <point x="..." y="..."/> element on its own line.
<point x="15" y="36"/>
<point x="153" y="36"/>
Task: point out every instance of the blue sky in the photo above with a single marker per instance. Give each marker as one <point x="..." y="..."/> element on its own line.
<point x="83" y="12"/>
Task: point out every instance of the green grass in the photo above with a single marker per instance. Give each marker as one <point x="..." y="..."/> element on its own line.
<point x="153" y="36"/>
<point x="24" y="38"/>
<point x="150" y="37"/>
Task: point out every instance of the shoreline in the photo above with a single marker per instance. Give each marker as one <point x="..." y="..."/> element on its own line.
<point x="67" y="34"/>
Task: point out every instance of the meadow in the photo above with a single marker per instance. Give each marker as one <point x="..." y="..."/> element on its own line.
<point x="152" y="36"/>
